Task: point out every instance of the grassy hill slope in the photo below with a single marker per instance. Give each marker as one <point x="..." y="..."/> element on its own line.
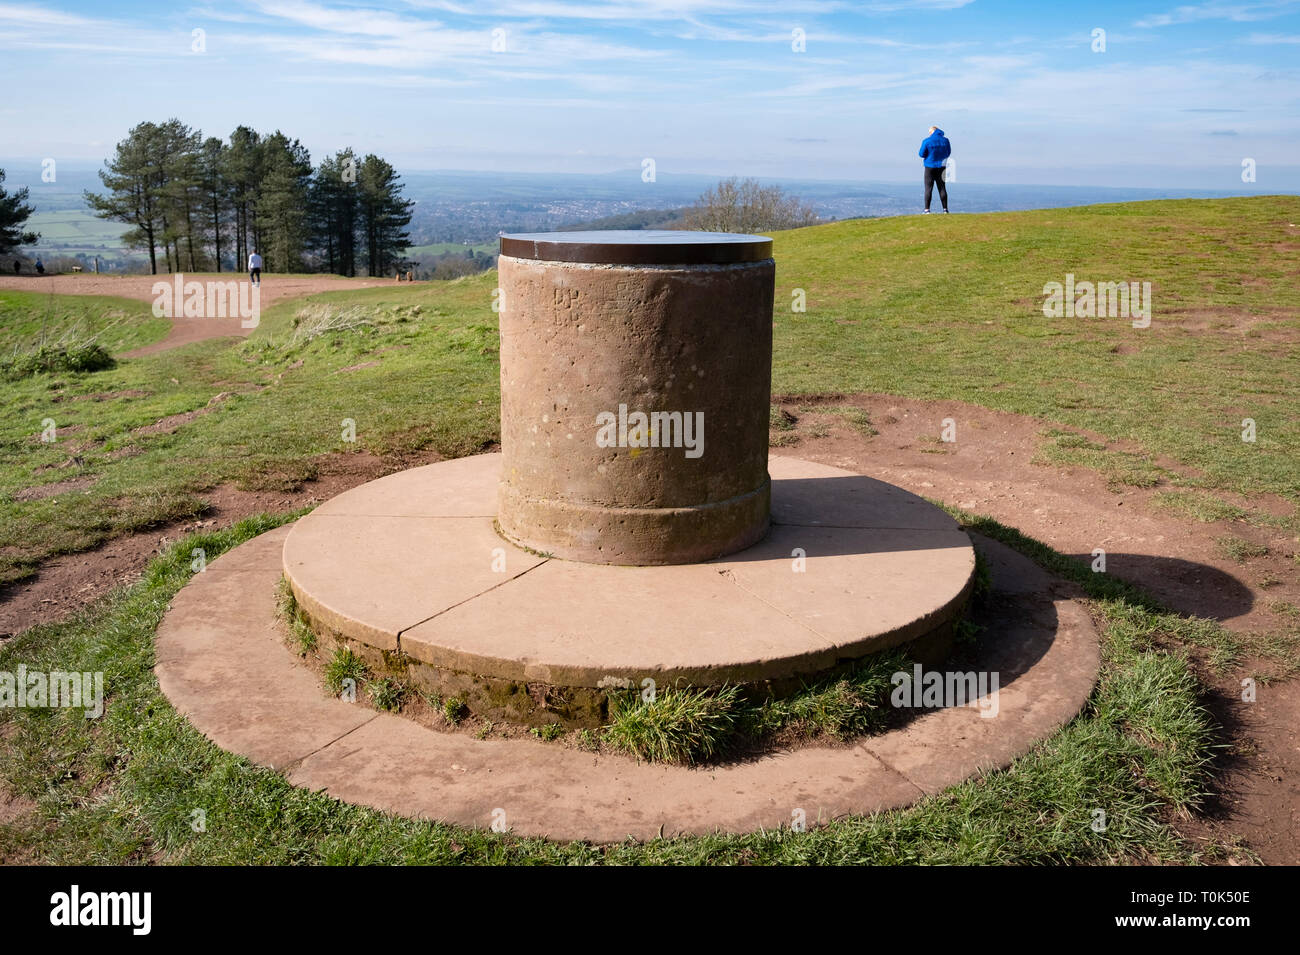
<point x="951" y="307"/>
<point x="927" y="307"/>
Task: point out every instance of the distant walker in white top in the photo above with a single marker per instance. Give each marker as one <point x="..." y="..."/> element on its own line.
<point x="255" y="268"/>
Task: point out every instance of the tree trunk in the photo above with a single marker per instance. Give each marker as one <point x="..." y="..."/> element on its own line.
<point x="216" y="227"/>
<point x="189" y="235"/>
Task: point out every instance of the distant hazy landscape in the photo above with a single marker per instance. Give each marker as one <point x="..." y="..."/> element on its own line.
<point x="466" y="210"/>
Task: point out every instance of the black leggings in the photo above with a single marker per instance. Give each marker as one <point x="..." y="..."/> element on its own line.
<point x="934" y="177"/>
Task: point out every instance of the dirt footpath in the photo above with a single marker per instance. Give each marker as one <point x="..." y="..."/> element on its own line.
<point x="275" y="289"/>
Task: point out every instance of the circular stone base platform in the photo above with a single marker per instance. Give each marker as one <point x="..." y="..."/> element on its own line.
<point x="411" y="570"/>
<point x="223" y="662"/>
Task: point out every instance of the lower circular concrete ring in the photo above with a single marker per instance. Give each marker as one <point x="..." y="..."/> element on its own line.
<point x="224" y="662"/>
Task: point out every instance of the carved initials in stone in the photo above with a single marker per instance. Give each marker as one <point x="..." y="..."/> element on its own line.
<point x="566" y="297"/>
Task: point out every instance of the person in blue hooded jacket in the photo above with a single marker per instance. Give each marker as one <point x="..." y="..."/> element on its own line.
<point x="935" y="150"/>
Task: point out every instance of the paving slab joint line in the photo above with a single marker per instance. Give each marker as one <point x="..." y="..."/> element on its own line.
<point x="544" y="560"/>
<point x="731" y="575"/>
<point x="891" y="768"/>
<point x="289" y="767"/>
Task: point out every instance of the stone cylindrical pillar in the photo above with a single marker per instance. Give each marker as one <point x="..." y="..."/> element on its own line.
<point x="636" y="377"/>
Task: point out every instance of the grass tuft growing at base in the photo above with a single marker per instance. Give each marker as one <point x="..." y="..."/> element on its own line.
<point x="387" y="694"/>
<point x="304" y="637"/>
<point x="690" y="726"/>
<point x="454" y="710"/>
<point x="853" y="704"/>
<point x="343" y="666"/>
<point x="676" y="726"/>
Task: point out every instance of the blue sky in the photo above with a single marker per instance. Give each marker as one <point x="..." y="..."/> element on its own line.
<point x="1180" y="96"/>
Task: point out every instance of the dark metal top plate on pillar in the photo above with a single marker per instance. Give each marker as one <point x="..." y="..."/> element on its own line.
<point x="638" y="247"/>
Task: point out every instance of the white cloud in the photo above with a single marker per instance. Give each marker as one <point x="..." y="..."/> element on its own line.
<point x="896" y="6"/>
<point x="1220" y="10"/>
<point x="354" y="21"/>
<point x="38" y="16"/>
<point x="635" y="11"/>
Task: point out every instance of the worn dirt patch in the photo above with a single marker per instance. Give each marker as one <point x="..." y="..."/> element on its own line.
<point x="54" y="490"/>
<point x="1235" y="322"/>
<point x="990" y="469"/>
<point x="110" y="395"/>
<point x="172" y="422"/>
<point x="12" y="806"/>
<point x="66" y="584"/>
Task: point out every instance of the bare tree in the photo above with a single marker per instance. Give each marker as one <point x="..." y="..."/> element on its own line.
<point x="743" y="205"/>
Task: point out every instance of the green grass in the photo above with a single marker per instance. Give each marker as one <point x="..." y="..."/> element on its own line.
<point x="1200" y="506"/>
<point x="1239" y="549"/>
<point x="344" y="670"/>
<point x="387" y="694"/>
<point x="548" y="733"/>
<point x="435" y="388"/>
<point x="855" y="418"/>
<point x="675" y="726"/>
<point x="694" y="726"/>
<point x="118" y="324"/>
<point x="689" y="726"/>
<point x="304" y="637"/>
<point x="853" y="704"/>
<point x="418" y="252"/>
<point x="68" y="231"/>
<point x="454" y="710"/>
<point x="778" y="419"/>
<point x="69" y="353"/>
<point x="951" y="308"/>
<point x="1120" y="468"/>
<point x="123" y="788"/>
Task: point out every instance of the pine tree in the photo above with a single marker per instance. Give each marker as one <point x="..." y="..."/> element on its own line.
<point x="282" y="202"/>
<point x="243" y="174"/>
<point x="134" y="179"/>
<point x="384" y="215"/>
<point x="216" y="192"/>
<point x="333" y="209"/>
<point x="14" y="212"/>
<point x="203" y="201"/>
<point x="181" y="191"/>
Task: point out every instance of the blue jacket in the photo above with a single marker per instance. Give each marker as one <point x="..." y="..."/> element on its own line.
<point x="935" y="149"/>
